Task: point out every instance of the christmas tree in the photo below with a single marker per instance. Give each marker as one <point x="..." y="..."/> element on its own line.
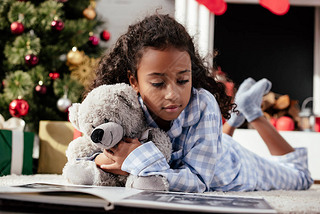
<point x="48" y="50"/>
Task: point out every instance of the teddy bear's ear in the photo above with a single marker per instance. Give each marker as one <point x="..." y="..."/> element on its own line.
<point x="123" y="96"/>
<point x="73" y="115"/>
<point x="129" y="98"/>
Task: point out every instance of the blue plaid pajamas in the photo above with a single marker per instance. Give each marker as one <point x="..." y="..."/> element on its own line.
<point x="204" y="159"/>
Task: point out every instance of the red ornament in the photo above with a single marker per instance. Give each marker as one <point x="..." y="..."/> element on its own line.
<point x="57" y="25"/>
<point x="105" y="35"/>
<point x="31" y="59"/>
<point x="41" y="89"/>
<point x="93" y="40"/>
<point x="54" y="75"/>
<point x="18" y="108"/>
<point x="285" y="123"/>
<point x="17" y="28"/>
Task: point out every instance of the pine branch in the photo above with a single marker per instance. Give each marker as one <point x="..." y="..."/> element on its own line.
<point x="22" y="46"/>
<point x="24" y="12"/>
<point x="17" y="84"/>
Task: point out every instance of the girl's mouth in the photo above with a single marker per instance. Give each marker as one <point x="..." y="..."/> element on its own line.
<point x="171" y="108"/>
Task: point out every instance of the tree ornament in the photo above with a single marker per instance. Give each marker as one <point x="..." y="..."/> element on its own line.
<point x="57" y="25"/>
<point x="64" y="103"/>
<point x="31" y="60"/>
<point x="75" y="57"/>
<point x="17" y="28"/>
<point x="105" y="35"/>
<point x="54" y="75"/>
<point x="41" y="88"/>
<point x="93" y="40"/>
<point x="89" y="13"/>
<point x="18" y="108"/>
<point x="84" y="72"/>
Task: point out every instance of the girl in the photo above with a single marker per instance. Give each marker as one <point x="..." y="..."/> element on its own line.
<point x="179" y="95"/>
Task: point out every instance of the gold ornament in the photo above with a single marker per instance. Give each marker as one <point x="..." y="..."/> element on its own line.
<point x="89" y="13"/>
<point x="75" y="57"/>
<point x="84" y="71"/>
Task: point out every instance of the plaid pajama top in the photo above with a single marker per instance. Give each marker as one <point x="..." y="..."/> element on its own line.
<point x="204" y="159"/>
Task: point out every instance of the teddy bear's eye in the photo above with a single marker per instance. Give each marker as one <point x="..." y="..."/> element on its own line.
<point x="106" y="121"/>
<point x="93" y="127"/>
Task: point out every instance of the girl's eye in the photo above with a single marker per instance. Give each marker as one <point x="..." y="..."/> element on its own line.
<point x="182" y="82"/>
<point x="157" y="84"/>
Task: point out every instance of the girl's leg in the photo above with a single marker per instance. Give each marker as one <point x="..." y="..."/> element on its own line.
<point x="249" y="104"/>
<point x="276" y="144"/>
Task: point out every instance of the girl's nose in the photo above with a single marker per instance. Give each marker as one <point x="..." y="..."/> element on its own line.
<point x="171" y="92"/>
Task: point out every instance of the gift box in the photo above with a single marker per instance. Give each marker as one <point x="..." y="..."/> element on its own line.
<point x="16" y="149"/>
<point x="54" y="137"/>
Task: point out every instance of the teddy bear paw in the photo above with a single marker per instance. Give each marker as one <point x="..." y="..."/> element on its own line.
<point x="154" y="182"/>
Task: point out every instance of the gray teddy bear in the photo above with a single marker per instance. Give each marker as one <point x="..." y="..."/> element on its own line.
<point x="106" y="115"/>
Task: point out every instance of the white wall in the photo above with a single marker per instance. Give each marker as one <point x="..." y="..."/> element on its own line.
<point x="119" y="14"/>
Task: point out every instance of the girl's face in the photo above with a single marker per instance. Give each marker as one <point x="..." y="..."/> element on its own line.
<point x="164" y="81"/>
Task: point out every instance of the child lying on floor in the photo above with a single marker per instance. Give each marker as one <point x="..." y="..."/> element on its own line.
<point x="179" y="95"/>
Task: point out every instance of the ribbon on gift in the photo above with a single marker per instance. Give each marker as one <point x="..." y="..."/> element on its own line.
<point x="13" y="123"/>
<point x="17" y="152"/>
<point x="16" y="125"/>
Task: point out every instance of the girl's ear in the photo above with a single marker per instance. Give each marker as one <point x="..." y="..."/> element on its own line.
<point x="133" y="81"/>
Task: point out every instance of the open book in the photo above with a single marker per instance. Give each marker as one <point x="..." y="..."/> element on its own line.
<point x="52" y="196"/>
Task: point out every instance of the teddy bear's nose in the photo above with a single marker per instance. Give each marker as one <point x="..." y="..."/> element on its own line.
<point x="97" y="135"/>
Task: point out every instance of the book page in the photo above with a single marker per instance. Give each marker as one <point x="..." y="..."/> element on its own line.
<point x="111" y="197"/>
<point x="198" y="202"/>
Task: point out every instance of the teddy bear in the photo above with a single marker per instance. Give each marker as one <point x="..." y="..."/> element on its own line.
<point x="107" y="115"/>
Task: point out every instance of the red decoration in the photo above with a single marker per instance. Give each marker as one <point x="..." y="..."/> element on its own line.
<point x="41" y="89"/>
<point x="17" y="28"/>
<point x="18" y="108"/>
<point x="31" y="59"/>
<point x="76" y="134"/>
<point x="273" y="121"/>
<point x="278" y="7"/>
<point x="285" y="123"/>
<point x="317" y="124"/>
<point x="218" y="7"/>
<point x="57" y="25"/>
<point x="54" y="75"/>
<point x="93" y="40"/>
<point x="105" y="35"/>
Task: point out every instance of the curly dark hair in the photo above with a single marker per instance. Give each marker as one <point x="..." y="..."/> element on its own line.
<point x="158" y="32"/>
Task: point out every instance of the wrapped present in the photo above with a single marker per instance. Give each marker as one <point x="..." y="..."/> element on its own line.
<point x="16" y="148"/>
<point x="55" y="137"/>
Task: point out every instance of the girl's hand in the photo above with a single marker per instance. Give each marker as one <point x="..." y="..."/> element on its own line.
<point x="101" y="159"/>
<point x="118" y="154"/>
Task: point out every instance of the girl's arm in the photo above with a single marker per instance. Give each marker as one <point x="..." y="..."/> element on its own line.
<point x="195" y="164"/>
